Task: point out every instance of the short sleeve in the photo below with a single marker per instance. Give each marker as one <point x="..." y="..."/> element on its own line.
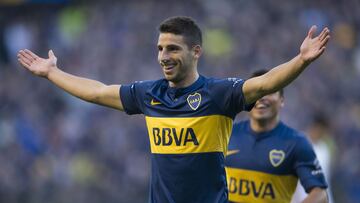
<point x="229" y="95"/>
<point x="132" y="97"/>
<point x="307" y="166"/>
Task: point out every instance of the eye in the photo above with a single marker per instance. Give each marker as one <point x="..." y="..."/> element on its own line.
<point x="173" y="48"/>
<point x="160" y="48"/>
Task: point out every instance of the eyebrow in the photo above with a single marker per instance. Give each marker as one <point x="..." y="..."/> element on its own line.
<point x="171" y="46"/>
<point x="174" y="46"/>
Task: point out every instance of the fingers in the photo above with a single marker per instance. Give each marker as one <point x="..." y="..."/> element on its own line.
<point x="24" y="62"/>
<point x="24" y="58"/>
<point x="321" y="51"/>
<point x="312" y="31"/>
<point x="324" y="37"/>
<point x="34" y="56"/>
<point x="27" y="55"/>
<point x="324" y="33"/>
<point x="324" y="41"/>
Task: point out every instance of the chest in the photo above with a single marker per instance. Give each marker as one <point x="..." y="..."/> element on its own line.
<point x="270" y="155"/>
<point x="171" y="103"/>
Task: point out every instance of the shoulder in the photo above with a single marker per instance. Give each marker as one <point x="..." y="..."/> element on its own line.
<point x="143" y="85"/>
<point x="224" y="81"/>
<point x="137" y="88"/>
<point x="224" y="88"/>
<point x="240" y="127"/>
<point x="291" y="133"/>
<point x="292" y="136"/>
<point x="147" y="83"/>
<point x="241" y="124"/>
<point x="302" y="144"/>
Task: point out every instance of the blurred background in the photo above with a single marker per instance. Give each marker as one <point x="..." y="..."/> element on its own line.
<point x="56" y="148"/>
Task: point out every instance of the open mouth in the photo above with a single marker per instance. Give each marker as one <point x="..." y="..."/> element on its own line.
<point x="168" y="67"/>
<point x="261" y="106"/>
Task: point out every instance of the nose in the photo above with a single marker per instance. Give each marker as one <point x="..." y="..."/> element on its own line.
<point x="164" y="56"/>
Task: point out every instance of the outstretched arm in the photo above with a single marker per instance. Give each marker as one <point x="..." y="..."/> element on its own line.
<point x="83" y="88"/>
<point x="316" y="195"/>
<point x="280" y="76"/>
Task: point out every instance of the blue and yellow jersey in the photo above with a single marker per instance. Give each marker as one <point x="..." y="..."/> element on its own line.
<point x="265" y="167"/>
<point x="189" y="130"/>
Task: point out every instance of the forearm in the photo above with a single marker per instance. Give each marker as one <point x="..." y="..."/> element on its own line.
<point x="83" y="88"/>
<point x="317" y="195"/>
<point x="274" y="80"/>
<point x="280" y="76"/>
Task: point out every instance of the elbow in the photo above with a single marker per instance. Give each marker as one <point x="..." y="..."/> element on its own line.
<point x="318" y="195"/>
<point x="267" y="87"/>
<point x="326" y="197"/>
<point x="323" y="196"/>
<point x="95" y="95"/>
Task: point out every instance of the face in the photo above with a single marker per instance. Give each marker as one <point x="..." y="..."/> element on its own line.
<point x="267" y="108"/>
<point x="176" y="59"/>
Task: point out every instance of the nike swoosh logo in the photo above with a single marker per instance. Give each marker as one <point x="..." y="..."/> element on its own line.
<point x="153" y="102"/>
<point x="231" y="152"/>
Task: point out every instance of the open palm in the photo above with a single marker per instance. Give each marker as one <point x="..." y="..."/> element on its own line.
<point x="35" y="64"/>
<point x="313" y="47"/>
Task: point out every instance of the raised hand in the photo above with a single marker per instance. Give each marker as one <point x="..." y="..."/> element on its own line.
<point x="35" y="64"/>
<point x="312" y="47"/>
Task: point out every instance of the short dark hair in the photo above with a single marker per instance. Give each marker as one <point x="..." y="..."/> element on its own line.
<point x="262" y="72"/>
<point x="320" y="118"/>
<point x="185" y="26"/>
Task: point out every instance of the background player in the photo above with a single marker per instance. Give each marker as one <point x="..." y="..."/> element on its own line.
<point x="320" y="136"/>
<point x="266" y="157"/>
<point x="183" y="151"/>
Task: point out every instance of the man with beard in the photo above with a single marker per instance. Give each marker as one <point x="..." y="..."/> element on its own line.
<point x="188" y="116"/>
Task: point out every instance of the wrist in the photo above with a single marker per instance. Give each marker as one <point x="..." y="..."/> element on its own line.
<point x="51" y="72"/>
<point x="302" y="61"/>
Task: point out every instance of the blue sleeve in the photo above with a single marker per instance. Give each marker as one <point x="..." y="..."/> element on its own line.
<point x="229" y="95"/>
<point x="307" y="166"/>
<point x="132" y="97"/>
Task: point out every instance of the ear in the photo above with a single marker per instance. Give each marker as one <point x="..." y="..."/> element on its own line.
<point x="282" y="103"/>
<point x="197" y="51"/>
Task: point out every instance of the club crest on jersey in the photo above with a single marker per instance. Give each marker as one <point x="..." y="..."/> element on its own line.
<point x="194" y="100"/>
<point x="276" y="157"/>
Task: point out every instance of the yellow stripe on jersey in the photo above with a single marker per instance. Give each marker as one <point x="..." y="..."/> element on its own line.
<point x="189" y="135"/>
<point x="255" y="187"/>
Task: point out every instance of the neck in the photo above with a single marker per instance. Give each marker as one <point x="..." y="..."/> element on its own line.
<point x="260" y="126"/>
<point x="189" y="80"/>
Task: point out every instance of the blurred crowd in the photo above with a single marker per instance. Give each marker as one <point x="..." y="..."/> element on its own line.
<point x="57" y="148"/>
